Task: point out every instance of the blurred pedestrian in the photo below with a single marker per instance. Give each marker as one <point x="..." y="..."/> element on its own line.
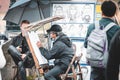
<point x="113" y="65"/>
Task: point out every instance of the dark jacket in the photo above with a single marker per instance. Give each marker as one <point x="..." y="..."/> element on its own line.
<point x="61" y="51"/>
<point x="114" y="58"/>
<point x="103" y="22"/>
<point x="21" y="41"/>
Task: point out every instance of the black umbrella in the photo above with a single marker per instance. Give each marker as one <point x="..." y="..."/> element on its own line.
<point x="26" y="10"/>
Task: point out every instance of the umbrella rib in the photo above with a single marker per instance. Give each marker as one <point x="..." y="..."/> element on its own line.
<point x="41" y="14"/>
<point x="22" y="14"/>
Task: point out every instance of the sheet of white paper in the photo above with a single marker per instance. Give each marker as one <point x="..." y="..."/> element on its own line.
<point x="33" y="39"/>
<point x="2" y="58"/>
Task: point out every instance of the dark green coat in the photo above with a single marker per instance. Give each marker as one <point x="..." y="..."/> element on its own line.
<point x="103" y="22"/>
<point x="19" y="40"/>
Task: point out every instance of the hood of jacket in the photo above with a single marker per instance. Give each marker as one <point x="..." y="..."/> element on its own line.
<point x="62" y="37"/>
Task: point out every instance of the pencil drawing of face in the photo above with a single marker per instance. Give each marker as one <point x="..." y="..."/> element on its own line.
<point x="59" y="10"/>
<point x="86" y="13"/>
<point x="72" y="12"/>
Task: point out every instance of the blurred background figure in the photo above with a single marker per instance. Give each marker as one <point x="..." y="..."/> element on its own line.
<point x="3" y="38"/>
<point x="114" y="58"/>
<point x="113" y="66"/>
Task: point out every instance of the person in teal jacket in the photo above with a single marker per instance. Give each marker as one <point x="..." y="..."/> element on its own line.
<point x="108" y="12"/>
<point x="103" y="22"/>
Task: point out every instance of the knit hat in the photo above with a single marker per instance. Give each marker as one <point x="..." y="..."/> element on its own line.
<point x="55" y="28"/>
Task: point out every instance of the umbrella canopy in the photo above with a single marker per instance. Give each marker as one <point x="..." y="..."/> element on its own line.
<point x="24" y="10"/>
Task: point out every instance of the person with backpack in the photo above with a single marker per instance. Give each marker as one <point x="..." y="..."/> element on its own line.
<point x="107" y="26"/>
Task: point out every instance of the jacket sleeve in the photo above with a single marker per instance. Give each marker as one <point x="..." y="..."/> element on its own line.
<point x="57" y="48"/>
<point x="16" y="41"/>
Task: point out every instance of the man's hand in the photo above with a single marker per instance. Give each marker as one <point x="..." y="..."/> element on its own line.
<point x="39" y="44"/>
<point x="19" y="49"/>
<point x="23" y="56"/>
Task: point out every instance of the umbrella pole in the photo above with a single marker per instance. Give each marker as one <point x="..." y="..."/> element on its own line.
<point x="42" y="17"/>
<point x="40" y="10"/>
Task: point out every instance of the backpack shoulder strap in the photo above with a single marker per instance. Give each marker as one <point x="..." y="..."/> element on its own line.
<point x="109" y="26"/>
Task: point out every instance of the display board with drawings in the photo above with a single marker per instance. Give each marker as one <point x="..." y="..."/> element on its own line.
<point x="75" y="30"/>
<point x="74" y="12"/>
<point x="77" y="17"/>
